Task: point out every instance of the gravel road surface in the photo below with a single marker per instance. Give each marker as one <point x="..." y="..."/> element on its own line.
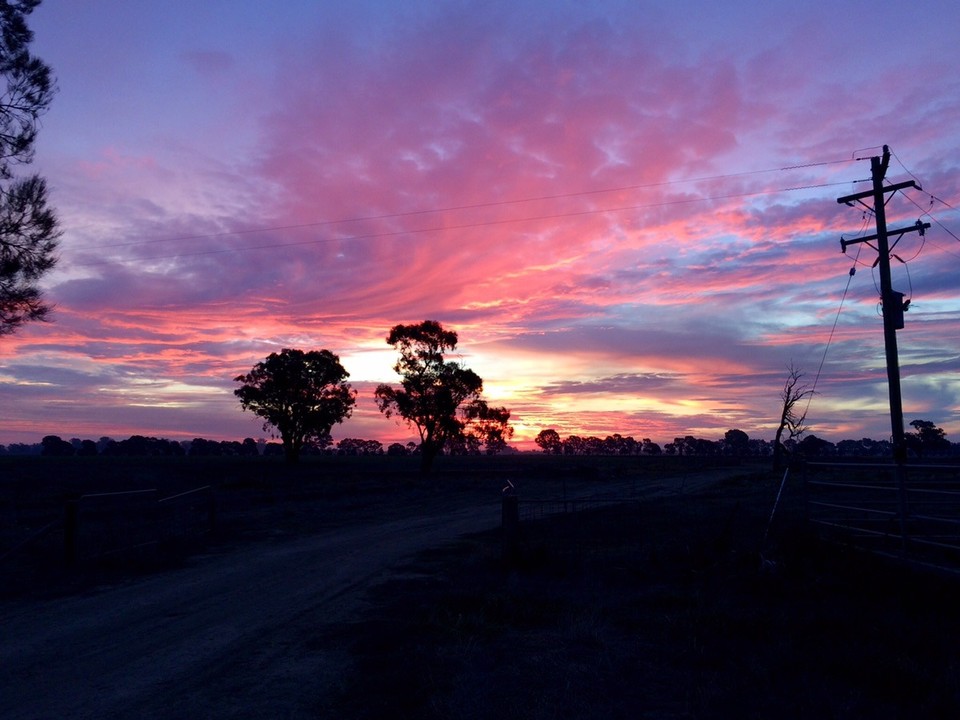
<point x="232" y="634"/>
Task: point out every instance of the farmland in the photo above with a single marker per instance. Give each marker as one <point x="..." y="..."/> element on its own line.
<point x="352" y="587"/>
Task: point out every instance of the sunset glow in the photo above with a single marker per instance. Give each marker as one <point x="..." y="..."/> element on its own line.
<point x="627" y="211"/>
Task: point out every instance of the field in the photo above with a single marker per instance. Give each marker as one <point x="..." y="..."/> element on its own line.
<point x="662" y="610"/>
<point x="676" y="604"/>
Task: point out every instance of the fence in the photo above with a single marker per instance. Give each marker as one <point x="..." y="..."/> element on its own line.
<point x="134" y="524"/>
<point x="910" y="512"/>
<point x="577" y="528"/>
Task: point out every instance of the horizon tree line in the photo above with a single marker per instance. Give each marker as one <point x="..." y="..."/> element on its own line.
<point x="927" y="441"/>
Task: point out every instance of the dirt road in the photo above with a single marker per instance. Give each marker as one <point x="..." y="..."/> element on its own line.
<point x="227" y="636"/>
<point x="233" y="634"/>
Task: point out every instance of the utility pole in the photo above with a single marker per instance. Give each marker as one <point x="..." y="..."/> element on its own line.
<point x="891" y="300"/>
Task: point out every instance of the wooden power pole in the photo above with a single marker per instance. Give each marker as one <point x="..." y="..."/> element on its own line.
<point x="891" y="300"/>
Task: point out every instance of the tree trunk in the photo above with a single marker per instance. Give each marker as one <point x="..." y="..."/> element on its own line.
<point x="429" y="449"/>
<point x="777" y="449"/>
<point x="291" y="451"/>
<point x="427" y="456"/>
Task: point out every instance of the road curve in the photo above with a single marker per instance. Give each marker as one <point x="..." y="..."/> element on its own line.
<point x="219" y="638"/>
<point x="232" y="634"/>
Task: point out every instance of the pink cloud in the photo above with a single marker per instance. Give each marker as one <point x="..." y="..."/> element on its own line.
<point x="534" y="185"/>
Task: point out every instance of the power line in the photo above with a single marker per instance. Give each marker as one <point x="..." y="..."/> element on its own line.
<point x="906" y="169"/>
<point x="930" y="215"/>
<point x="438" y="228"/>
<point x="944" y="202"/>
<point x="932" y="199"/>
<point x="470" y="206"/>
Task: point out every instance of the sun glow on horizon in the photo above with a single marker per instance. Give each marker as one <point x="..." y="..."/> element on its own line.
<point x="629" y="219"/>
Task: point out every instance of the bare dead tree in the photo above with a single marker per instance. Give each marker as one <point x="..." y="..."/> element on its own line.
<point x="792" y="420"/>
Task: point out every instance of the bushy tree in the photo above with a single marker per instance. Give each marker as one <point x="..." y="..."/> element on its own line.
<point x="736" y="442"/>
<point x="813" y="447"/>
<point x="397" y="450"/>
<point x="649" y="447"/>
<point x="439" y="397"/>
<point x="549" y="441"/>
<point x="28" y="227"/>
<point x="357" y="447"/>
<point x="300" y="394"/>
<point x="88" y="448"/>
<point x="927" y="440"/>
<point x="55" y="446"/>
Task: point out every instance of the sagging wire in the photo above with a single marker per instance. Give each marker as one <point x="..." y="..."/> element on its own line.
<point x="941" y="201"/>
<point x="927" y="213"/>
<point x="836" y="320"/>
<point x="905" y="168"/>
<point x="933" y="198"/>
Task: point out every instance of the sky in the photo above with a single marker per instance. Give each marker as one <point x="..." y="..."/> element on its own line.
<point x="626" y="210"/>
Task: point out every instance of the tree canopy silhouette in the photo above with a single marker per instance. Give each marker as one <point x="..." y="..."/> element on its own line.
<point x="927" y="440"/>
<point x="301" y="394"/>
<point x="439" y="397"/>
<point x="28" y="227"/>
<point x="549" y="441"/>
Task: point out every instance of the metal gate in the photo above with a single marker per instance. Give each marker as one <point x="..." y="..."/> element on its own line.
<point x="907" y="511"/>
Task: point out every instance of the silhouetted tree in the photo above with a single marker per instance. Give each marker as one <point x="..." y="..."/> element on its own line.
<point x="549" y="441"/>
<point x="54" y="446"/>
<point x="488" y="425"/>
<point x="617" y="444"/>
<point x="301" y="394"/>
<point x="319" y="445"/>
<point x="812" y="446"/>
<point x="28" y="227"/>
<point x="357" y="447"/>
<point x="649" y="447"/>
<point x="791" y="419"/>
<point x="927" y="440"/>
<point x="439" y="397"/>
<point x="736" y="443"/>
<point x="272" y="449"/>
<point x="88" y="448"/>
<point x="201" y="447"/>
<point x="397" y="450"/>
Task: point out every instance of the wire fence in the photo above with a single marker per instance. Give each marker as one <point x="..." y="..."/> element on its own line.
<point x="135" y="524"/>
<point x="910" y="512"/>
<point x="579" y="526"/>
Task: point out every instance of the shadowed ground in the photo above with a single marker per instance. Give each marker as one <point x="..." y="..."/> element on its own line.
<point x="395" y="603"/>
<point x="664" y="609"/>
<point x="238" y="631"/>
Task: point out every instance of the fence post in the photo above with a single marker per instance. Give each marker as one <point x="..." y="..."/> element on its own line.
<point x="510" y="523"/>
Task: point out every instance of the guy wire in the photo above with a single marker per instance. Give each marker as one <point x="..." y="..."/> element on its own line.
<point x="816" y="379"/>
